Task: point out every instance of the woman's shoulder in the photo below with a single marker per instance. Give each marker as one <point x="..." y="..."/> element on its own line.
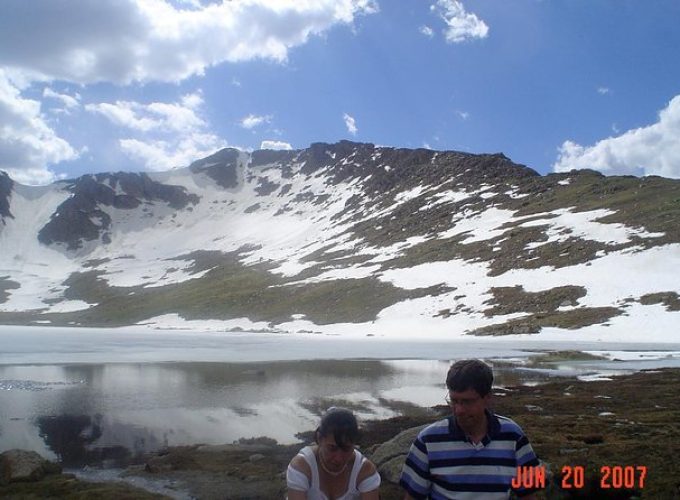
<point x="367" y="469"/>
<point x="300" y="463"/>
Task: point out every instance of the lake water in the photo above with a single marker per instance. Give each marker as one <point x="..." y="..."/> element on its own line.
<point x="74" y="394"/>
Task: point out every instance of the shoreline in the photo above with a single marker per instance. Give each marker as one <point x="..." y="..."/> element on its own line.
<point x="570" y="423"/>
<point x="60" y="345"/>
<point x="214" y="402"/>
<point x="357" y="332"/>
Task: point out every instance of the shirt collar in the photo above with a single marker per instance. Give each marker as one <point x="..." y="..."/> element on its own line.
<point x="492" y="430"/>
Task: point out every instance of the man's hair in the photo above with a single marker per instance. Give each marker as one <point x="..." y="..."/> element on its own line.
<point x="342" y="425"/>
<point x="470" y="374"/>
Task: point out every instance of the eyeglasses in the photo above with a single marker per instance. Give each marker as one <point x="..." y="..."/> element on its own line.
<point x="465" y="402"/>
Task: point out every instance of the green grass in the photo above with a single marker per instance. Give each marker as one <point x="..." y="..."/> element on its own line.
<point x="68" y="487"/>
<point x="669" y="299"/>
<point x="649" y="202"/>
<point x="533" y="323"/>
<point x="5" y="285"/>
<point x="232" y="290"/>
<point x="560" y="356"/>
<point x="510" y="300"/>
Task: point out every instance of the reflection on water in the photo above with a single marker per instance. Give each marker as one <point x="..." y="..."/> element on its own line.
<point x="108" y="412"/>
<point x="80" y="413"/>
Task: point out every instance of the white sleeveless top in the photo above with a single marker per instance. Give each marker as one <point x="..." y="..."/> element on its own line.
<point x="299" y="481"/>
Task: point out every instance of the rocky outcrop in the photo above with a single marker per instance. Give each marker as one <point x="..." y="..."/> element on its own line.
<point x="6" y="185"/>
<point x="6" y="285"/>
<point x="415" y="166"/>
<point x="389" y="457"/>
<point x="81" y="218"/>
<point x="240" y="470"/>
<point x="221" y="167"/>
<point x="22" y="465"/>
<point x="27" y="475"/>
<point x="272" y="157"/>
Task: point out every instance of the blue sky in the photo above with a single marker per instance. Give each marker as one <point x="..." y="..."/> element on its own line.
<point x="106" y="85"/>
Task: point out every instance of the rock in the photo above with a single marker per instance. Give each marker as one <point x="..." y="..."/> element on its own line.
<point x="81" y="216"/>
<point x="256" y="457"/>
<point x="21" y="465"/>
<point x="389" y="457"/>
<point x="221" y="167"/>
<point x="6" y="186"/>
<point x="390" y="471"/>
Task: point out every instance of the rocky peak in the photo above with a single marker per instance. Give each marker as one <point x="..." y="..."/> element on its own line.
<point x="321" y="154"/>
<point x="272" y="156"/>
<point x="221" y="167"/>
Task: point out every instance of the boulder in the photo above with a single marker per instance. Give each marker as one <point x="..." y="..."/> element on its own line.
<point x="389" y="457"/>
<point x="22" y="465"/>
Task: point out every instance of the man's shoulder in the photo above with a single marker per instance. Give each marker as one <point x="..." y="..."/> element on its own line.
<point x="508" y="425"/>
<point x="438" y="428"/>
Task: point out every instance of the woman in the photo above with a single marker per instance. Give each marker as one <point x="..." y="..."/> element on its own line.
<point x="333" y="469"/>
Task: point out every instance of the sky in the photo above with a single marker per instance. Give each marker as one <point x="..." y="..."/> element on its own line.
<point x="90" y="86"/>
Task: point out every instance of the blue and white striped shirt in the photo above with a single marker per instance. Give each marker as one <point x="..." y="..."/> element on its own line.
<point x="443" y="464"/>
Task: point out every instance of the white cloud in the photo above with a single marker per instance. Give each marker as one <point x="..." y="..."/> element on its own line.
<point x="27" y="143"/>
<point x="427" y="31"/>
<point x="460" y="25"/>
<point x="196" y="4"/>
<point x="125" y="114"/>
<point x="67" y="100"/>
<point x="170" y="134"/>
<point x="179" y="117"/>
<point x="275" y="145"/>
<point x="603" y="90"/>
<point x="251" y="121"/>
<point x="464" y="115"/>
<point x="164" y="155"/>
<point x="350" y="123"/>
<point x="650" y="150"/>
<point x="193" y="101"/>
<point x="124" y="41"/>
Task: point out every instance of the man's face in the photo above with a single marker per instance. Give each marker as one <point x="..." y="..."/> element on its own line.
<point x="468" y="408"/>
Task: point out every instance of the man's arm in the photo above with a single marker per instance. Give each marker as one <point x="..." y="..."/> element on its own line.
<point x="526" y="457"/>
<point x="415" y="475"/>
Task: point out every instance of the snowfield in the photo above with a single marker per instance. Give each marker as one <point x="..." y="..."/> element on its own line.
<point x="306" y="216"/>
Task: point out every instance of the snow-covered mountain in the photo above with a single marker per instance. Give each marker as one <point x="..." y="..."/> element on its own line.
<point x="348" y="238"/>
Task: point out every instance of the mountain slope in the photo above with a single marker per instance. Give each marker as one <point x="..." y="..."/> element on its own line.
<point x="347" y="238"/>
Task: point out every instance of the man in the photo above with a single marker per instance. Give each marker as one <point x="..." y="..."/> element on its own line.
<point x="473" y="453"/>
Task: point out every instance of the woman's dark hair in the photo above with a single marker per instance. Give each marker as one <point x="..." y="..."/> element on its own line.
<point x="470" y="374"/>
<point x="342" y="425"/>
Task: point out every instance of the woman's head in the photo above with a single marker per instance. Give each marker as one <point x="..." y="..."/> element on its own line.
<point x="341" y="425"/>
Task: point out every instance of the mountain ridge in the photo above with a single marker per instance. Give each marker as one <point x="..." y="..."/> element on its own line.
<point x="349" y="238"/>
